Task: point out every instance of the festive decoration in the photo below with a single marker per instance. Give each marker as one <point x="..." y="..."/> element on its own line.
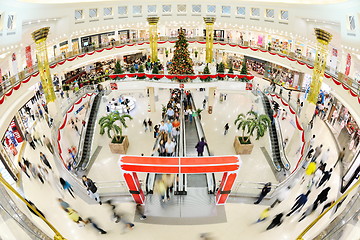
<point x="118" y="69"/>
<point x="231" y="70"/>
<point x="244" y="68"/>
<point x="141" y="70"/>
<point x="181" y="61"/>
<point x="206" y="71"/>
<point x="323" y="40"/>
<point x="209" y="21"/>
<point x="153" y="37"/>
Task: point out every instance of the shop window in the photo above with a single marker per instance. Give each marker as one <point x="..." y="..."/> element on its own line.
<point x="255" y="12"/>
<point x="211" y="8"/>
<point x="11" y="22"/>
<point x="166" y="8"/>
<point x="225" y="10"/>
<point x="79" y="14"/>
<point x="196" y="8"/>
<point x="152" y="9"/>
<point x="181" y="8"/>
<point x="240" y="11"/>
<point x="270" y="13"/>
<point x="351" y="20"/>
<point x="122" y="10"/>
<point x="137" y="10"/>
<point x="284" y="15"/>
<point x="93" y="13"/>
<point x="108" y="11"/>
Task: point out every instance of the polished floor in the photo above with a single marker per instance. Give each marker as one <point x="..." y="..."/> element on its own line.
<point x="237" y="220"/>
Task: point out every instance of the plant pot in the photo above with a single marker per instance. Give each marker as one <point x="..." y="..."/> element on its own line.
<point x="120" y="148"/>
<point x="241" y="148"/>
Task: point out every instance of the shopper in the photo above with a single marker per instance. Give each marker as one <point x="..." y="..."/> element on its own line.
<point x="264" y="191"/>
<point x="168" y="180"/>
<point x="67" y="186"/>
<point x="145" y="125"/>
<point x="200" y="146"/>
<point x="226" y="128"/>
<point x="44" y="160"/>
<point x="64" y="205"/>
<point x="91" y="188"/>
<point x="48" y="144"/>
<point x="160" y="188"/>
<point x="317" y="153"/>
<point x="277" y="221"/>
<point x="74" y="216"/>
<point x="23" y="168"/>
<point x="32" y="211"/>
<point x="30" y="140"/>
<point x="340" y="157"/>
<point x="139" y="211"/>
<point x="264" y="215"/>
<point x="326" y="176"/>
<point x="322" y="197"/>
<point x="300" y="202"/>
<point x="94" y="225"/>
<point x="170" y="147"/>
<point x="150" y="124"/>
<point x="282" y="195"/>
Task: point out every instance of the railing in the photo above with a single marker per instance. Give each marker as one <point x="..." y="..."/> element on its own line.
<point x="11" y="82"/>
<point x="13" y="212"/>
<point x="113" y="188"/>
<point x="251" y="189"/>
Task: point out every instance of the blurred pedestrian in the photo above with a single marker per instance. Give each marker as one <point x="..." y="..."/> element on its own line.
<point x="340" y="157"/>
<point x="94" y="225"/>
<point x="300" y="202"/>
<point x="145" y="125"/>
<point x="168" y="179"/>
<point x="317" y="153"/>
<point x="64" y="205"/>
<point x="160" y="188"/>
<point x="48" y="144"/>
<point x="322" y="197"/>
<point x="282" y="195"/>
<point x="140" y="211"/>
<point x="326" y="176"/>
<point x="44" y="160"/>
<point x="200" y="146"/>
<point x="226" y="128"/>
<point x="264" y="215"/>
<point x="264" y="191"/>
<point x="30" y="140"/>
<point x="74" y="216"/>
<point x="150" y="124"/>
<point x="32" y="211"/>
<point x="67" y="186"/>
<point x="277" y="221"/>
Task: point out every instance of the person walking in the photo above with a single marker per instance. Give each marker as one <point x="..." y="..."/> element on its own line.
<point x="264" y="215"/>
<point x="160" y="188"/>
<point x="326" y="176"/>
<point x="325" y="156"/>
<point x="44" y="160"/>
<point x="168" y="180"/>
<point x="139" y="211"/>
<point x="264" y="191"/>
<point x="204" y="103"/>
<point x="150" y="123"/>
<point x="48" y="144"/>
<point x="282" y="195"/>
<point x="300" y="202"/>
<point x="307" y="212"/>
<point x="37" y="138"/>
<point x="200" y="147"/>
<point x="145" y="125"/>
<point x="91" y="188"/>
<point x="94" y="225"/>
<point x="226" y="127"/>
<point x="317" y="153"/>
<point x="340" y="157"/>
<point x="74" y="216"/>
<point x="64" y="205"/>
<point x="23" y="168"/>
<point x="322" y="197"/>
<point x="277" y="221"/>
<point x="67" y="186"/>
<point x="170" y="147"/>
<point x="30" y="140"/>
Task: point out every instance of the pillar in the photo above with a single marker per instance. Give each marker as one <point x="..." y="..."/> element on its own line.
<point x="225" y="187"/>
<point x="211" y="99"/>
<point x="39" y="37"/>
<point x="133" y="184"/>
<point x="151" y="91"/>
<point x="209" y="21"/>
<point x="153" y="37"/>
<point x="323" y="40"/>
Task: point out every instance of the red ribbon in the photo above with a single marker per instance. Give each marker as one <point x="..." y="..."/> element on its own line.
<point x="17" y="86"/>
<point x="9" y="93"/>
<point x="298" y="124"/>
<point x="26" y="80"/>
<point x="64" y="122"/>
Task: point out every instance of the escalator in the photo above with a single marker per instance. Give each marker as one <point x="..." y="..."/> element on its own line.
<point x="276" y="156"/>
<point x="90" y="127"/>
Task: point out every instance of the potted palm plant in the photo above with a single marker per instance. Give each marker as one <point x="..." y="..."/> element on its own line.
<point x="113" y="124"/>
<point x="249" y="124"/>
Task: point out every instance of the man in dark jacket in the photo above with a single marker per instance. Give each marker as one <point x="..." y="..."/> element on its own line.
<point x="200" y="146"/>
<point x="91" y="188"/>
<point x="264" y="191"/>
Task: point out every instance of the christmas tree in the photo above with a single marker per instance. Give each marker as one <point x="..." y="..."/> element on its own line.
<point x="181" y="61"/>
<point x="206" y="71"/>
<point x="141" y="70"/>
<point x="118" y="69"/>
<point x="244" y="68"/>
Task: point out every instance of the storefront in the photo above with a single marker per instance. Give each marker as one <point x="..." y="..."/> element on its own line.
<point x="75" y="46"/>
<point x="27" y="114"/>
<point x="12" y="140"/>
<point x="97" y="39"/>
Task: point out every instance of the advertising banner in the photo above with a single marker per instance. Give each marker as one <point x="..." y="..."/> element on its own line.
<point x="348" y="64"/>
<point x="29" y="63"/>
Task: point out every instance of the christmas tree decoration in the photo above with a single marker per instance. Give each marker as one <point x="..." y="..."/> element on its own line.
<point x="221" y="68"/>
<point x="244" y="71"/>
<point x="181" y="62"/>
<point x="132" y="69"/>
<point x="206" y="71"/>
<point x="118" y="69"/>
<point x="141" y="70"/>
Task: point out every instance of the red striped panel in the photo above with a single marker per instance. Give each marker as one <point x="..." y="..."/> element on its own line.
<point x="208" y="160"/>
<point x="150" y="160"/>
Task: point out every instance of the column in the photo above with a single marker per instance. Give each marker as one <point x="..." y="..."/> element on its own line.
<point x="224" y="190"/>
<point x="151" y="99"/>
<point x="153" y="37"/>
<point x="39" y="37"/>
<point x="211" y="99"/>
<point x="323" y="40"/>
<point x="209" y="21"/>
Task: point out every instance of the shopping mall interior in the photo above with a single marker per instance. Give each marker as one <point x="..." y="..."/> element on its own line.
<point x="179" y="120"/>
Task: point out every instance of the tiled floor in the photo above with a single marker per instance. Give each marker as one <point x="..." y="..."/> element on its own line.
<point x="240" y="218"/>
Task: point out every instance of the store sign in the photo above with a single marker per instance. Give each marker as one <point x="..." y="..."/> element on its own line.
<point x="15" y="131"/>
<point x="113" y="86"/>
<point x="28" y="58"/>
<point x="348" y="64"/>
